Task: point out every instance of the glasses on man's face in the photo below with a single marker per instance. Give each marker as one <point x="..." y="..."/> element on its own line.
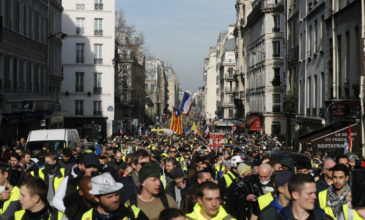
<point x="173" y="151"/>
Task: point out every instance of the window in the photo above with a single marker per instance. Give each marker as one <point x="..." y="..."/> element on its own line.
<point x="230" y="113"/>
<point x="98" y="4"/>
<point x="79" y="83"/>
<point x="315" y="36"/>
<point x="98" y="59"/>
<point x="310" y="42"/>
<point x="80" y="25"/>
<point x="276" y="27"/>
<point x="80" y="4"/>
<point x="7" y="15"/>
<point x="97" y="107"/>
<point x="321" y="34"/>
<point x="98" y="27"/>
<point x="276" y="80"/>
<point x="79" y="107"/>
<point x="16" y="15"/>
<point x="97" y="83"/>
<point x="80" y="53"/>
<point x="36" y="26"/>
<point x="276" y="48"/>
<point x="276" y="99"/>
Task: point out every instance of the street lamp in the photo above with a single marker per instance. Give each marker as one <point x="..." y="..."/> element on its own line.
<point x="62" y="35"/>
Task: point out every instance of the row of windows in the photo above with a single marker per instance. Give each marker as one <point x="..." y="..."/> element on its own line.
<point x="22" y="76"/>
<point x="98" y="26"/>
<point x="24" y="20"/>
<point x="79" y="82"/>
<point x="79" y="108"/>
<point x="98" y="4"/>
<point x="80" y="53"/>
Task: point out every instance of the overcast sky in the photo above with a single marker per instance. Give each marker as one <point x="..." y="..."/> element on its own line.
<point x="180" y="31"/>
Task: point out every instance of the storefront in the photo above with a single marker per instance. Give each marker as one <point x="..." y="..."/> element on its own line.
<point x="331" y="139"/>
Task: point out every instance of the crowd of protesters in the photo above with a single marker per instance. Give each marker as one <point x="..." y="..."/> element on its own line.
<point x="175" y="177"/>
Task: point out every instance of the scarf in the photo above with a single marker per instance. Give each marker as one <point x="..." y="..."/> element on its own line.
<point x="337" y="201"/>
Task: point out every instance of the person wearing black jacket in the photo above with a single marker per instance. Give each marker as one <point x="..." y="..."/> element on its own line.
<point x="178" y="187"/>
<point x="80" y="201"/>
<point x="236" y="204"/>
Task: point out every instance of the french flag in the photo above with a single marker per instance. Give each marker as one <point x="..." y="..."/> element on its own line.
<point x="206" y="130"/>
<point x="186" y="103"/>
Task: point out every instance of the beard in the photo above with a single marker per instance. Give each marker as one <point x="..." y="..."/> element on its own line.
<point x="107" y="208"/>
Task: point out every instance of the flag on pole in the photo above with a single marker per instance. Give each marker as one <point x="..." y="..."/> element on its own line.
<point x="346" y="146"/>
<point x="206" y="130"/>
<point x="349" y="138"/>
<point x="147" y="130"/>
<point x="140" y="129"/>
<point x="176" y="121"/>
<point x="187" y="130"/>
<point x="121" y="128"/>
<point x="194" y="127"/>
<point x="186" y="103"/>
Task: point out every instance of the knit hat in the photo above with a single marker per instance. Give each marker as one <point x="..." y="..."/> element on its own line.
<point x="91" y="159"/>
<point x="177" y="172"/>
<point x="243" y="168"/>
<point x="282" y="177"/>
<point x="288" y="162"/>
<point x="149" y="170"/>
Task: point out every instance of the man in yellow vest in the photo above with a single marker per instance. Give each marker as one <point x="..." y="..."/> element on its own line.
<point x="209" y="204"/>
<point x="9" y="195"/>
<point x="52" y="174"/>
<point x="230" y="175"/>
<point x="33" y="201"/>
<point x="334" y="199"/>
<point x="105" y="190"/>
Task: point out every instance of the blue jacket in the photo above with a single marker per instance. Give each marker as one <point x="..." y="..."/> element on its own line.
<point x="316" y="214"/>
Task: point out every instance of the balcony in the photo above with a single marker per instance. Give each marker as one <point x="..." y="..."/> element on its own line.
<point x="230" y="90"/>
<point x="308" y="112"/>
<point x="314" y="112"/>
<point x="228" y="104"/>
<point x="98" y="90"/>
<point x="98" y="32"/>
<point x="79" y="89"/>
<point x="228" y="77"/>
<point x="276" y="29"/>
<point x="97" y="113"/>
<point x="80" y="30"/>
<point x="80" y="6"/>
<point x="98" y="60"/>
<point x="79" y="59"/>
<point x="276" y="108"/>
<point x="99" y="6"/>
<point x="276" y="55"/>
<point x="79" y="112"/>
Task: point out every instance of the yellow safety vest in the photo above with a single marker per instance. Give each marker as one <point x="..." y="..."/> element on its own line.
<point x="349" y="214"/>
<point x="229" y="177"/>
<point x="196" y="214"/>
<point x="163" y="180"/>
<point x="14" y="196"/>
<point x="88" y="215"/>
<point x="265" y="200"/>
<point x="56" y="181"/>
<point x="18" y="215"/>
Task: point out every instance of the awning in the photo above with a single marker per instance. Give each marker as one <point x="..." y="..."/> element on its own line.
<point x="253" y="123"/>
<point x="333" y="137"/>
<point x="256" y="125"/>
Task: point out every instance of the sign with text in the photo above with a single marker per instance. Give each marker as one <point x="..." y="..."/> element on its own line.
<point x="216" y="140"/>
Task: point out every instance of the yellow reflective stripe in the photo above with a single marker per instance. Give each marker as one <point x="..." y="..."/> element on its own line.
<point x="57" y="180"/>
<point x="40" y="173"/>
<point x="135" y="210"/>
<point x="322" y="197"/>
<point x="265" y="200"/>
<point x="18" y="215"/>
<point x="14" y="196"/>
<point x="87" y="215"/>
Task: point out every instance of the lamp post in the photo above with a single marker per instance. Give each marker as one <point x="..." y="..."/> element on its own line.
<point x="62" y="35"/>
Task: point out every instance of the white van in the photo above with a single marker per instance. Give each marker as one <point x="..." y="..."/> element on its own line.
<point x="54" y="139"/>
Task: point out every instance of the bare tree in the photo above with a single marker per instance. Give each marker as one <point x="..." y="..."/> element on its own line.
<point x="126" y="35"/>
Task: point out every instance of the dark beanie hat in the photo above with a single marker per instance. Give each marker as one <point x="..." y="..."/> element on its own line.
<point x="177" y="172"/>
<point x="288" y="162"/>
<point x="149" y="170"/>
<point x="282" y="178"/>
